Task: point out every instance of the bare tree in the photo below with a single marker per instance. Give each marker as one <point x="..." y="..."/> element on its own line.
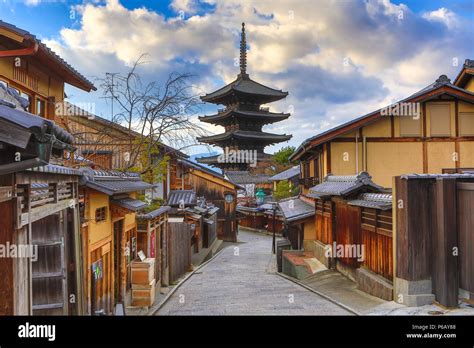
<point x="152" y="113"/>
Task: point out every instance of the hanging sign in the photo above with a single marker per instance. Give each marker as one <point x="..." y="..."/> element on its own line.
<point x="97" y="270"/>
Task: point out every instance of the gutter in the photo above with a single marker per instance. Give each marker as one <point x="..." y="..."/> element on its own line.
<point x="28" y="51"/>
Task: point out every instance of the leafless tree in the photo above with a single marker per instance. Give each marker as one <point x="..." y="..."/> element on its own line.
<point x="152" y="113"/>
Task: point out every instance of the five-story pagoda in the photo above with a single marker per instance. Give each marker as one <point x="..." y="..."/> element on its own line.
<point x="242" y="118"/>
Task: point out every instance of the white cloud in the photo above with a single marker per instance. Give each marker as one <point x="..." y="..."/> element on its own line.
<point x="32" y="2"/>
<point x="443" y="15"/>
<point x="299" y="46"/>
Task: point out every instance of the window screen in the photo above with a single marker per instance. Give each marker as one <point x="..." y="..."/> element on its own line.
<point x="440" y="120"/>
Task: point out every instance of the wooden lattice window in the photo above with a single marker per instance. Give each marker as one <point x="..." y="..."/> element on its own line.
<point x="101" y="214"/>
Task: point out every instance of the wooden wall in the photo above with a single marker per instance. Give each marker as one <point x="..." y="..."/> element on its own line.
<point x="7" y="287"/>
<point x="215" y="193"/>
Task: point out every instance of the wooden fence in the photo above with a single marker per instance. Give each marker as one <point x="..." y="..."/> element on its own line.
<point x="179" y="249"/>
<point x="434" y="233"/>
<point x="376" y="230"/>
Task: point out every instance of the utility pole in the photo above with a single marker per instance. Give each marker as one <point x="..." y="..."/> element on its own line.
<point x="112" y="97"/>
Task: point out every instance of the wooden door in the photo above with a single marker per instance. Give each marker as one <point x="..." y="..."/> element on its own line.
<point x="118" y="255"/>
<point x="101" y="280"/>
<point x="466" y="236"/>
<point x="48" y="272"/>
<point x="348" y="230"/>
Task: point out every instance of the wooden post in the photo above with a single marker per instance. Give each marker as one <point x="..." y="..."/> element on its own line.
<point x="444" y="259"/>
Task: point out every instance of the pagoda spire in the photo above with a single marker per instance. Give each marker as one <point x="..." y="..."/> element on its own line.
<point x="243" y="53"/>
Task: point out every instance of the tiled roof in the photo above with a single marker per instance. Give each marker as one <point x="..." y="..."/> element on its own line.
<point x="244" y="177"/>
<point x="55" y="169"/>
<point x="286" y="174"/>
<point x="382" y="201"/>
<point x="295" y="208"/>
<point x="261" y="116"/>
<point x="246" y="86"/>
<point x="343" y="186"/>
<point x="155" y="213"/>
<point x="178" y="197"/>
<point x="246" y="135"/>
<point x="42" y="128"/>
<point x="129" y="203"/>
<point x="113" y="182"/>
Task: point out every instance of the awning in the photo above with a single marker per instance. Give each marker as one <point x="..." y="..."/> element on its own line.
<point x="155" y="213"/>
<point x="295" y="209"/>
<point x="343" y="186"/>
<point x="129" y="203"/>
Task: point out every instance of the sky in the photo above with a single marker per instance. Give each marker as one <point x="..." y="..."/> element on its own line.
<point x="338" y="59"/>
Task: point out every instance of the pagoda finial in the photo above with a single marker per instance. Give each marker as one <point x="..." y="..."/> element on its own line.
<point x="243" y="53"/>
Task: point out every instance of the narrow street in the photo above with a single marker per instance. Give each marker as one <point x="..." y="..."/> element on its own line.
<point x="241" y="281"/>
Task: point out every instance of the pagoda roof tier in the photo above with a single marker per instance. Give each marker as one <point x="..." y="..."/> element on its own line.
<point x="256" y="137"/>
<point x="244" y="88"/>
<point x="259" y="116"/>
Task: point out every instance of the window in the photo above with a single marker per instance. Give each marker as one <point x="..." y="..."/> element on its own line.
<point x="410" y="126"/>
<point x="40" y="107"/>
<point x="440" y="120"/>
<point x="100" y="214"/>
<point x="466" y="123"/>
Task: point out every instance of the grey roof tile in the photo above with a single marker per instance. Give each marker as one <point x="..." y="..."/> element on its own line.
<point x="129" y="203"/>
<point x="179" y="197"/>
<point x="287" y="174"/>
<point x="382" y="201"/>
<point x="343" y="186"/>
<point x="295" y="208"/>
<point x="155" y="213"/>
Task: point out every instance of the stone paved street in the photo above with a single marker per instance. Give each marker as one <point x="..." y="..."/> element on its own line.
<point x="241" y="280"/>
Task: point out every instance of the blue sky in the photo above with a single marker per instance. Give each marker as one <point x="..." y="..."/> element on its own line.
<point x="337" y="59"/>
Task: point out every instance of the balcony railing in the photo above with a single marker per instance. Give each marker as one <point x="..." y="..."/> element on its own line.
<point x="309" y="182"/>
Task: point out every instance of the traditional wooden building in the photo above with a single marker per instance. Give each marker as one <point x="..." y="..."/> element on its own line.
<point x="153" y="235"/>
<point x="432" y="131"/>
<point x="107" y="145"/>
<point x="35" y="72"/>
<point x="39" y="213"/>
<point x="214" y="187"/>
<point x="243" y="118"/>
<point x="40" y="196"/>
<point x="354" y="216"/>
<point x="109" y="236"/>
<point x="291" y="176"/>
